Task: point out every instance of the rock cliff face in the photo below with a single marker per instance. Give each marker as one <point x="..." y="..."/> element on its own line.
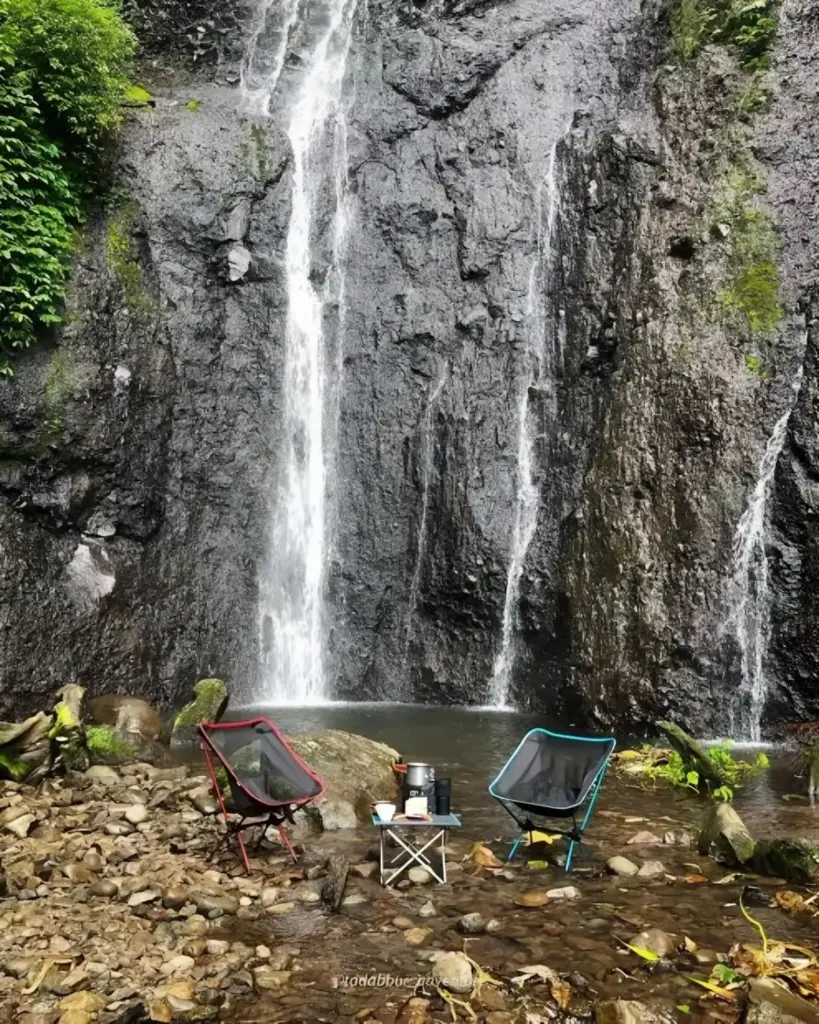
<point x="513" y="169"/>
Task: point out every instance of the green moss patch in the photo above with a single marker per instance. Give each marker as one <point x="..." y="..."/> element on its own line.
<point x="123" y="263"/>
<point x="211" y="695"/>
<point x="746" y="26"/>
<point x="104" y="742"/>
<point x="14" y="768"/>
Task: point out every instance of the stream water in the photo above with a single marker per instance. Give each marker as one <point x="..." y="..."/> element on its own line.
<point x="583" y="938"/>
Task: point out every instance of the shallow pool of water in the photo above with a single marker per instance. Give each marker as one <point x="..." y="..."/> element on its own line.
<point x="471" y="745"/>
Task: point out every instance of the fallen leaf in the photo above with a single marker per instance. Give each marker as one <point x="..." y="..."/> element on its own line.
<point x="641" y="951"/>
<point x="690" y="945"/>
<point x="695" y="879"/>
<point x="728" y="878"/>
<point x="561" y="990"/>
<point x="532" y="898"/>
<point x="541" y="837"/>
<point x="788" y="900"/>
<point x="484" y="857"/>
<point x="683" y="1007"/>
<point x="723" y="993"/>
<point x="48" y="963"/>
<point x="538" y="865"/>
<point x="628" y="755"/>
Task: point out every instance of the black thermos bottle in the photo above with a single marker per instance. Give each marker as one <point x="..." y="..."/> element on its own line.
<point x="443" y="790"/>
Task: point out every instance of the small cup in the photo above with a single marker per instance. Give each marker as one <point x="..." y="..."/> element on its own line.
<point x="385" y="811"/>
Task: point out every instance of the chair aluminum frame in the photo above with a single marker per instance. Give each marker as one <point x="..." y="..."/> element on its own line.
<point x="592" y="791"/>
<point x="278" y="811"/>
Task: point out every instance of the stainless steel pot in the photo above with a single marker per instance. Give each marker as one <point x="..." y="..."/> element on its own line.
<point x="418" y="775"/>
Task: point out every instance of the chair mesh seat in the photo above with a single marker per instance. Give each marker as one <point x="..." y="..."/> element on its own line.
<point x="551" y="772"/>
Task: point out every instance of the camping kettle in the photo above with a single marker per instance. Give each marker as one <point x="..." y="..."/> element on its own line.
<point x="418" y="775"/>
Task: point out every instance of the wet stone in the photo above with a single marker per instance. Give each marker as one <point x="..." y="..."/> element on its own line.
<point x="472" y="924"/>
<point x="621" y="866"/>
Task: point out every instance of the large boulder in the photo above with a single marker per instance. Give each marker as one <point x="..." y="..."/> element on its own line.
<point x="209" y="704"/>
<point x="724" y="833"/>
<point x="356" y="770"/>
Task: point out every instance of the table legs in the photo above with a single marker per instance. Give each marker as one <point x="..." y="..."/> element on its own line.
<point x="412" y="854"/>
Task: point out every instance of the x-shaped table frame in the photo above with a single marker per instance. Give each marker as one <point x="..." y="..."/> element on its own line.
<point x="412" y="852"/>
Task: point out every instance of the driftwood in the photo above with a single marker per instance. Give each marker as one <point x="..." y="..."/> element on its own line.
<point x="332" y="892"/>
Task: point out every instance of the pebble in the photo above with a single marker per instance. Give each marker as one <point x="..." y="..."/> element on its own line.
<point x="645" y="839"/>
<point x="20" y="826"/>
<point x="621" y="866"/>
<point x="174" y="897"/>
<point x="403" y="922"/>
<point x="266" y="977"/>
<point x="268" y="896"/>
<point x="428" y="910"/>
<point x="655" y="939"/>
<point x="564" y="892"/>
<point x="136" y="814"/>
<point x="354" y="899"/>
<point x="214" y="906"/>
<point x="103" y="774"/>
<point x="454" y="972"/>
<point x="136" y="899"/>
<point x="651" y="869"/>
<point x="103" y="887"/>
<point x="417" y="936"/>
<point x="177" y="964"/>
<point x="472" y="924"/>
<point x="281" y="908"/>
<point x="419" y="876"/>
<point x="364" y="870"/>
<point x="195" y="926"/>
<point x="217" y="947"/>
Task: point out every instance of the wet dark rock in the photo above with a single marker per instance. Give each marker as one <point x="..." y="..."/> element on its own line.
<point x="724" y="831"/>
<point x="769" y="1003"/>
<point x="795" y="860"/>
<point x="472" y="924"/>
<point x="625" y="1011"/>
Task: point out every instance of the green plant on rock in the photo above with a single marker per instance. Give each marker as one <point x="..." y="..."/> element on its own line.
<point x="669" y="766"/>
<point x="103" y="742"/>
<point x="751" y="284"/>
<point x="63" y="70"/>
<point x="120" y="258"/>
<point x="753" y="364"/>
<point x="747" y="26"/>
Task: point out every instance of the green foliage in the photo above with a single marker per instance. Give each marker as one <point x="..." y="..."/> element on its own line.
<point x="76" y="54"/>
<point x="62" y="80"/>
<point x="104" y="742"/>
<point x="747" y="26"/>
<point x="137" y="96"/>
<point x="669" y="766"/>
<point x="193" y="105"/>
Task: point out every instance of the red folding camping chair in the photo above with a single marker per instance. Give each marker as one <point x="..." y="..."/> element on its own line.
<point x="267" y="778"/>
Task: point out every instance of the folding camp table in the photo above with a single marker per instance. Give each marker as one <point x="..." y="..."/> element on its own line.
<point x="414" y="843"/>
<point x="553" y="775"/>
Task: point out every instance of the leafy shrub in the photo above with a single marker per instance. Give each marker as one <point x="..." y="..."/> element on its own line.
<point x="669" y="766"/>
<point x="749" y="26"/>
<point x="62" y="80"/>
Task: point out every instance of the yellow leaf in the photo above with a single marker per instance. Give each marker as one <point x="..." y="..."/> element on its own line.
<point x="483" y="856"/>
<point x="646" y="954"/>
<point x="723" y="993"/>
<point x="541" y="837"/>
<point x="695" y="879"/>
<point x="788" y="900"/>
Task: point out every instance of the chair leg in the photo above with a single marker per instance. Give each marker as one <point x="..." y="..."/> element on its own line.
<point x="287" y="843"/>
<point x="515" y="846"/>
<point x="570" y="854"/>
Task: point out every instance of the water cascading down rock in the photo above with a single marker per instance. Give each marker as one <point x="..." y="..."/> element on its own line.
<point x="749" y="620"/>
<point x="292" y="581"/>
<point x="527" y="499"/>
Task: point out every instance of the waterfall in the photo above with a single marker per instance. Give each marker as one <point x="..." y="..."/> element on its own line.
<point x="527" y="498"/>
<point x="750" y="616"/>
<point x="292" y="582"/>
<point x="427" y="438"/>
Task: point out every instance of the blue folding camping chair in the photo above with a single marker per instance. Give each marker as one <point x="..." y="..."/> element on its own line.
<point x="552" y="775"/>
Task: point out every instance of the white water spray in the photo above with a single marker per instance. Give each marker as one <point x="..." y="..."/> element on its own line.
<point x="292" y="585"/>
<point x="750" y="616"/>
<point x="427" y="439"/>
<point x="527" y="499"/>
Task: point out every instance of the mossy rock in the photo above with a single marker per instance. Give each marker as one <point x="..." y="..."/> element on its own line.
<point x="795" y="860"/>
<point x="25" y="747"/>
<point x="106" y="745"/>
<point x="209" y="705"/>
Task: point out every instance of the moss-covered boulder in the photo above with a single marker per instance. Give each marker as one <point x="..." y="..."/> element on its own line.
<point x="210" y="703"/>
<point x="25" y="747"/>
<point x="66" y="733"/>
<point x="795" y="860"/>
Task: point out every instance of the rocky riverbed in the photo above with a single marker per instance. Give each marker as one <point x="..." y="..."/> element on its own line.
<point x="120" y="905"/>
